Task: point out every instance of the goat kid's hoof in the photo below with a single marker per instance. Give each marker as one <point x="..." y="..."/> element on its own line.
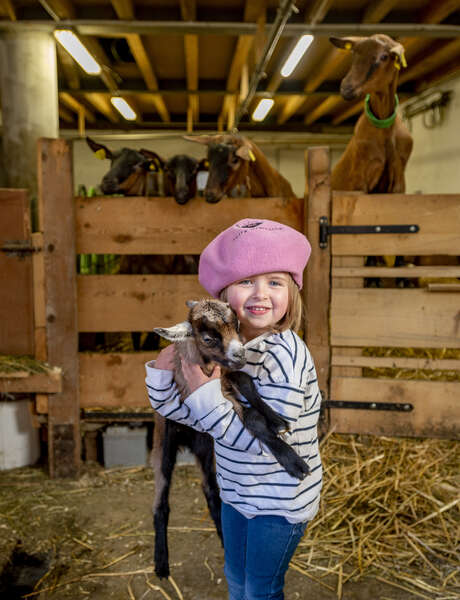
<point x="299" y="470"/>
<point x="162" y="571"/>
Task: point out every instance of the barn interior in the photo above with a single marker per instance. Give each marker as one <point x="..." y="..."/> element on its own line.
<point x="75" y="422"/>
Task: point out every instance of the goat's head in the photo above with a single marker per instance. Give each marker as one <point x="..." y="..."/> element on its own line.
<point x="229" y="157"/>
<point x="376" y="61"/>
<point x="181" y="170"/>
<point x="213" y="327"/>
<point x="124" y="164"/>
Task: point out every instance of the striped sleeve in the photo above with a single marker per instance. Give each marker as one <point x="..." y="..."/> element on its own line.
<point x="165" y="398"/>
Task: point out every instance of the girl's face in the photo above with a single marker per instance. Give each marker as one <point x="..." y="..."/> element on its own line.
<point x="259" y="302"/>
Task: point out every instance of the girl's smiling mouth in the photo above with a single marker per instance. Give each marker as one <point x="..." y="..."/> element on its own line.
<point x="258" y="310"/>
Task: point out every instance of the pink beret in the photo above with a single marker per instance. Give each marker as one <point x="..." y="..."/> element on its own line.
<point x="251" y="247"/>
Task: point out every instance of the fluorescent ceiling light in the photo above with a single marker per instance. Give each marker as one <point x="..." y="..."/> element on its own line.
<point x="298" y="51"/>
<point x="77" y="51"/>
<point x="123" y="108"/>
<point x="262" y="109"/>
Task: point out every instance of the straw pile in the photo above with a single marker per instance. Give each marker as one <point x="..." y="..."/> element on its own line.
<point x="390" y="508"/>
<point x="13" y="364"/>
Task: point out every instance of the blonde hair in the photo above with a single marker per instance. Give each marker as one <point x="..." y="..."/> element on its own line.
<point x="294" y="313"/>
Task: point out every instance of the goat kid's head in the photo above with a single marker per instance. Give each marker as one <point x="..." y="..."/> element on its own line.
<point x="376" y="61"/>
<point x="127" y="168"/>
<point x="229" y="157"/>
<point x="213" y="327"/>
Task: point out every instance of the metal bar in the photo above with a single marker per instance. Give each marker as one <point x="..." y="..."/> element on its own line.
<point x="392" y="406"/>
<point x="284" y="12"/>
<point x="112" y="28"/>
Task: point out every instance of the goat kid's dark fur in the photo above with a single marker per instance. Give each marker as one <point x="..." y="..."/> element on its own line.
<point x="208" y="338"/>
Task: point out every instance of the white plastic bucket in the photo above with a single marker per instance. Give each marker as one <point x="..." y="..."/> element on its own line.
<point x="19" y="442"/>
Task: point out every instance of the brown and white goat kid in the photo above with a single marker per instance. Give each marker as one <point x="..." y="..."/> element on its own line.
<point x="209" y="337"/>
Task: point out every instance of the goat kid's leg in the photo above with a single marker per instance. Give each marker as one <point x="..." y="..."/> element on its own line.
<point x="204" y="451"/>
<point x="163" y="464"/>
<point x="281" y="450"/>
<point x="243" y="385"/>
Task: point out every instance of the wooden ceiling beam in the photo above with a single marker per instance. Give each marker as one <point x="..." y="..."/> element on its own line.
<point x="125" y="11"/>
<point x="68" y="100"/>
<point x="253" y="10"/>
<point x="66" y="115"/>
<point x="331" y="62"/>
<point x="102" y="103"/>
<point x="69" y="68"/>
<point x="188" y="12"/>
<point x="8" y="9"/>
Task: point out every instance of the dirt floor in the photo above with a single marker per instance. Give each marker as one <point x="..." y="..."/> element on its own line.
<point x="96" y="536"/>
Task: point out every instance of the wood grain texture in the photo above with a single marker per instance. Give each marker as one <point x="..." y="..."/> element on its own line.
<point x="436" y="410"/>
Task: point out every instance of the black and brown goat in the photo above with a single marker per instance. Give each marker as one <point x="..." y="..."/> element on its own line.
<point x="209" y="337"/>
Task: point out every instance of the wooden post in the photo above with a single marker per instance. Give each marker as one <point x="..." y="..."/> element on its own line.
<point x="318" y="272"/>
<point x="57" y="222"/>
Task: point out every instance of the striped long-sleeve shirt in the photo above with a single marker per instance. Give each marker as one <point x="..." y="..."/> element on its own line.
<point x="249" y="476"/>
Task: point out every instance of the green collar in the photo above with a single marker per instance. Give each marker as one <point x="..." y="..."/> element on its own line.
<point x="380" y="123"/>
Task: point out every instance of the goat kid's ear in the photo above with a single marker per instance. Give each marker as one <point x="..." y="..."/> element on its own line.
<point x="99" y="150"/>
<point x="246" y="153"/>
<point x="345" y="43"/>
<point x="397" y="52"/>
<point x="176" y="333"/>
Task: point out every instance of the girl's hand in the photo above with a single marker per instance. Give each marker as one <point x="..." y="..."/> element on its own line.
<point x="165" y="360"/>
<point x="195" y="377"/>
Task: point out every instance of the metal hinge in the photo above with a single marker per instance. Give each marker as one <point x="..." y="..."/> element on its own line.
<point x="19" y="248"/>
<point x="325" y="230"/>
<point x="394" y="406"/>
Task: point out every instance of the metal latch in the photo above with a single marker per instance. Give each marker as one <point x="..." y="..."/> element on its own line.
<point x="394" y="406"/>
<point x="325" y="230"/>
<point x="18" y="248"/>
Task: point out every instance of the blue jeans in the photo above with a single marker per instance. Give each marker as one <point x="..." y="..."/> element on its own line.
<point x="257" y="554"/>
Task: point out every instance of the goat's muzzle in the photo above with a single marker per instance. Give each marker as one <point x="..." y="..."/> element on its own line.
<point x="212" y="197"/>
<point x="348" y="92"/>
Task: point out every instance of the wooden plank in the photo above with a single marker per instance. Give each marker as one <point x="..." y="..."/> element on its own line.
<point x="392" y="362"/>
<point x="409" y="272"/>
<point x="438" y="217"/>
<point x="45" y="383"/>
<point x="57" y="218"/>
<point x="116" y="225"/>
<point x="317" y="283"/>
<point x="113" y="380"/>
<point x="16" y="290"/>
<point x="134" y="302"/>
<point x="38" y="267"/>
<point x="436" y="410"/>
<point x="394" y="317"/>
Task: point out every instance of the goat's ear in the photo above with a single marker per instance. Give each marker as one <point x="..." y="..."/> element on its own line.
<point x="176" y="333"/>
<point x="158" y="162"/>
<point x="191" y="303"/>
<point x="203" y="139"/>
<point x="397" y="52"/>
<point x="99" y="150"/>
<point x="246" y="153"/>
<point x="345" y="43"/>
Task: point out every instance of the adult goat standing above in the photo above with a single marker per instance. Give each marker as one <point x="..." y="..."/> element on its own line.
<point x="377" y="154"/>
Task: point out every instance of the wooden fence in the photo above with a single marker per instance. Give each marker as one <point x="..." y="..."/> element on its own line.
<point x="351" y="328"/>
<point x="342" y="319"/>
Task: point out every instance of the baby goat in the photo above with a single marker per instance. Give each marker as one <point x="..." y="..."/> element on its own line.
<point x="210" y="337"/>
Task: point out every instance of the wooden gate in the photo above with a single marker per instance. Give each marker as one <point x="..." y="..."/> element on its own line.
<point x="358" y="332"/>
<point x="117" y="303"/>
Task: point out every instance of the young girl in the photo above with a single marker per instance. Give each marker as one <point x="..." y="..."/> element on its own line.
<point x="256" y="266"/>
